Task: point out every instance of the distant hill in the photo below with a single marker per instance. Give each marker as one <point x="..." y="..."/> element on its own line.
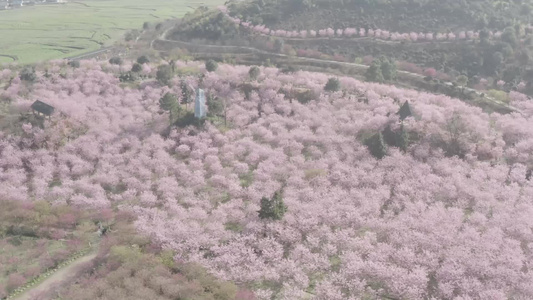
<point x="498" y="48"/>
<point x="397" y="15"/>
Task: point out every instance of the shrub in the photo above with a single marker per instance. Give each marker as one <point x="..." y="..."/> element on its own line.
<point x="127" y="77"/>
<point x="115" y="60"/>
<point x="143" y="60"/>
<point x="211" y="65"/>
<point x="74" y="63"/>
<point x="136" y="68"/>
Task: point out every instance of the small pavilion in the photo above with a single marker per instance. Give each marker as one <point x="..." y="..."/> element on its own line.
<point x="42" y="109"/>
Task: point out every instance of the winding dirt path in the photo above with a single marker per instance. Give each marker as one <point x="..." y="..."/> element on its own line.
<point x="56" y="278"/>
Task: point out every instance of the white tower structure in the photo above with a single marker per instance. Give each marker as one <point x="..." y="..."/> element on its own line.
<point x="199" y="104"/>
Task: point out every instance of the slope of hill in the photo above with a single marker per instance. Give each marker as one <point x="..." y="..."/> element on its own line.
<point x="434" y="202"/>
<point x="395" y="15"/>
<point x="487" y="52"/>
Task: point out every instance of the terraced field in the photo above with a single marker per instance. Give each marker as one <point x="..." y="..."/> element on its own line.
<point x="38" y="33"/>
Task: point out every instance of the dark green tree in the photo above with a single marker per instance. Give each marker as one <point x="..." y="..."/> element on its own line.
<point x="373" y="73"/>
<point x="136" y="68"/>
<point x="158" y="26"/>
<point x="405" y="111"/>
<point x="403" y="139"/>
<point x="146" y="26"/>
<point x="389" y="136"/>
<point x="143" y="59"/>
<point x="74" y="63"/>
<point x="28" y="74"/>
<point x="172" y="64"/>
<point x="484" y="35"/>
<point x="131" y="35"/>
<point x="127" y="77"/>
<point x="273" y="208"/>
<point x="186" y="93"/>
<point x="254" y="72"/>
<point x="115" y="60"/>
<point x="388" y="69"/>
<point x="215" y="105"/>
<point x="211" y="65"/>
<point x="333" y="85"/>
<point x="376" y="146"/>
<point x="164" y="74"/>
<point x="169" y="102"/>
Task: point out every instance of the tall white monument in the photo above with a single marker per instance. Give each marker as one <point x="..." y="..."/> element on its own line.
<point x="199" y="104"/>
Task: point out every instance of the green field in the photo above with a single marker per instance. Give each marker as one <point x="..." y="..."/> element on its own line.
<point x="37" y="33"/>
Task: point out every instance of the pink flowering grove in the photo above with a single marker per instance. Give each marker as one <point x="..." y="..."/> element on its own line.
<point x="420" y="224"/>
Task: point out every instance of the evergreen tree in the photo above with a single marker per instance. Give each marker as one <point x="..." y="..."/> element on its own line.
<point x="373" y="73"/>
<point x="211" y="65"/>
<point x="172" y="64"/>
<point x="390" y="136"/>
<point x="254" y="72"/>
<point x="333" y="85"/>
<point x="164" y="74"/>
<point x="115" y="60"/>
<point x="403" y="139"/>
<point x="273" y="208"/>
<point x="127" y="77"/>
<point x="405" y="111"/>
<point x="142" y="60"/>
<point x="186" y="93"/>
<point x="215" y="105"/>
<point x="28" y="74"/>
<point x="136" y="68"/>
<point x="388" y="69"/>
<point x="169" y="102"/>
<point x="376" y="146"/>
<point x="509" y="36"/>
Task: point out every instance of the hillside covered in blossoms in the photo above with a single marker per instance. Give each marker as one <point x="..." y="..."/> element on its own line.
<point x="445" y="211"/>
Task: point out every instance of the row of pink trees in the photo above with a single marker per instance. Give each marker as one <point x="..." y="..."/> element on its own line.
<point x="360" y="32"/>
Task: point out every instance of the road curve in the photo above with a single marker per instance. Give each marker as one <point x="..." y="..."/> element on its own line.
<point x="164" y="39"/>
<point x="57" y="278"/>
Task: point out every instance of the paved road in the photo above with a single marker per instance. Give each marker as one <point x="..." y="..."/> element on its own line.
<point x="56" y="278"/>
<point x="418" y="76"/>
<point x="89" y="54"/>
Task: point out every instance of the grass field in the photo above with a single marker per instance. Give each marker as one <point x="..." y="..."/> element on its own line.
<point x="32" y="34"/>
